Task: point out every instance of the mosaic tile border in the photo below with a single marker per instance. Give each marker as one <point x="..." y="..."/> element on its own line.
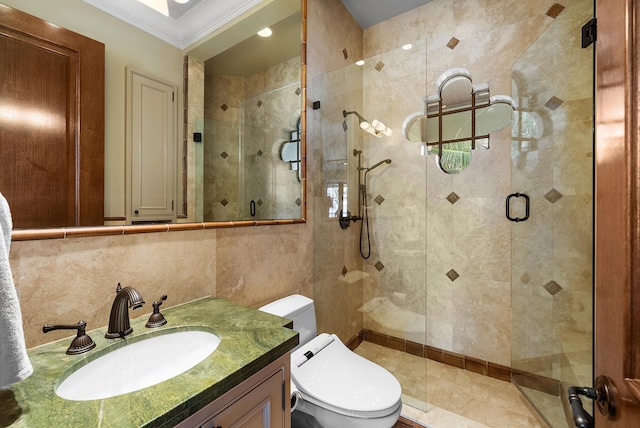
<point x="485" y="368"/>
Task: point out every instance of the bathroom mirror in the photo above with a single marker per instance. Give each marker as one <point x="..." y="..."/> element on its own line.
<point x="458" y="120"/>
<point x="294" y="163"/>
<point x="250" y="151"/>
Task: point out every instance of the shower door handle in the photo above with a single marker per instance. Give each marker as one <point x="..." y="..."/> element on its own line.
<point x="526" y="204"/>
<point x="603" y="393"/>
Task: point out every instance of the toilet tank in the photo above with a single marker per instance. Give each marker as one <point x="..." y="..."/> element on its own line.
<point x="300" y="310"/>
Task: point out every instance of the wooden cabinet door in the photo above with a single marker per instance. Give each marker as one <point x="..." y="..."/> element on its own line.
<point x="262" y="407"/>
<point x="258" y="402"/>
<point x="151" y="146"/>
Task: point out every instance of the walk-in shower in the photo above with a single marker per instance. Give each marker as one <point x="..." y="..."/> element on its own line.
<point x="447" y="277"/>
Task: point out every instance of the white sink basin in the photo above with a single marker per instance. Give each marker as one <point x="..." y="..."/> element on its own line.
<point x="138" y="365"/>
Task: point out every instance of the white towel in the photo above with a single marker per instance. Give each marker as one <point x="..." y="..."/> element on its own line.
<point x="14" y="362"/>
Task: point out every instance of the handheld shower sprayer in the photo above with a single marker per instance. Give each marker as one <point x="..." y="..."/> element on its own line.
<point x="365" y="213"/>
<point x="378" y="164"/>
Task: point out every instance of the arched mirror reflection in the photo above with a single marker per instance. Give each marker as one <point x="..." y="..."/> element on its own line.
<point x="457" y="120"/>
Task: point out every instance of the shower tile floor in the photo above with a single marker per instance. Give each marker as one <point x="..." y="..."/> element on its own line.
<point x="456" y="398"/>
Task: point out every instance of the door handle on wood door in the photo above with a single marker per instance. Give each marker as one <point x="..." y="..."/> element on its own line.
<point x="604" y="393"/>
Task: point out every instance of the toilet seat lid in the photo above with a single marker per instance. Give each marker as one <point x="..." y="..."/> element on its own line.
<point x="343" y="380"/>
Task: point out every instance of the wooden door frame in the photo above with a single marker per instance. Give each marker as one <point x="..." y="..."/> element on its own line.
<point x="617" y="187"/>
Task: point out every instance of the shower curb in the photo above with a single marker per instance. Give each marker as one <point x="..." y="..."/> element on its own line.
<point x="465" y="362"/>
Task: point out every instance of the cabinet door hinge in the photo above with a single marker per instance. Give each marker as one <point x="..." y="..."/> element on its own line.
<point x="589" y="33"/>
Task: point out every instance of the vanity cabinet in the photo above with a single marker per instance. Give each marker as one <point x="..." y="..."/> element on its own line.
<point x="262" y="401"/>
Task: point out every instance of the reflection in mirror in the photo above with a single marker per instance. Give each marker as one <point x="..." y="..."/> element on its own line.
<point x="251" y="147"/>
<point x="51" y="126"/>
<point x="458" y="120"/>
<point x="166" y="61"/>
<point x="529" y="125"/>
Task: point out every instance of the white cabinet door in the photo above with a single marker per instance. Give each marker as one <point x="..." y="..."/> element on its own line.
<point x="151" y="146"/>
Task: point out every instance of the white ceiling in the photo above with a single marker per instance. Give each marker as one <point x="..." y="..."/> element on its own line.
<point x="371" y="12"/>
<point x="190" y="22"/>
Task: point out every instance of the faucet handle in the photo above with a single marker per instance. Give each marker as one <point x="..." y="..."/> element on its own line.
<point x="157" y="319"/>
<point x="82" y="342"/>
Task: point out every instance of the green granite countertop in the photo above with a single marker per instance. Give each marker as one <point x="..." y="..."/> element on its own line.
<point x="250" y="340"/>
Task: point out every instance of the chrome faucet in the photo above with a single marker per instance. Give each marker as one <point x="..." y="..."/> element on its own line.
<point x="119" y="319"/>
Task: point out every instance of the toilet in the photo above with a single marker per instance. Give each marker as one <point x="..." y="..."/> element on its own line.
<point x="338" y="388"/>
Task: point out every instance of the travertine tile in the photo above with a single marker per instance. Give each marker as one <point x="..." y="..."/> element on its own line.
<point x="451" y="397"/>
<point x="63" y="281"/>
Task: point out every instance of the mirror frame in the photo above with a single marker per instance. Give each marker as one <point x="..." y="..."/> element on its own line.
<point x="79" y="232"/>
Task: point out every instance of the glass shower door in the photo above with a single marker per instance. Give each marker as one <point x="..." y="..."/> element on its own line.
<point x="552" y="180"/>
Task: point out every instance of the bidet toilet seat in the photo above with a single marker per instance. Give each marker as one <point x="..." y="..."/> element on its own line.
<point x="330" y="375"/>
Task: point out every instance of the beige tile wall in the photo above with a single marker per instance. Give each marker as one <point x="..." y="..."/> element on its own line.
<point x="64" y="281"/>
<point x="332" y="32"/>
<point x="421" y="236"/>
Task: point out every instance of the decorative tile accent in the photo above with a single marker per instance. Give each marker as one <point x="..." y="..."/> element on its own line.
<point x="379" y="199"/>
<point x="259" y="103"/>
<point x="344" y="270"/>
<point x="453" y="198"/>
<point x="379" y="66"/>
<point x="259" y="152"/>
<point x="260" y="202"/>
<point x="379" y="266"/>
<point x="552" y="287"/>
<point x="298" y="202"/>
<point x="553" y="196"/>
<point x="224" y="202"/>
<point x="224" y="155"/>
<point x="487" y="368"/>
<point x="553" y="103"/>
<point x="344" y="125"/>
<point x="525" y="278"/>
<point x="555" y="10"/>
<point x="453" y="43"/>
<point x="298" y="91"/>
<point x="345" y="53"/>
<point x="452" y="275"/>
<point x="224" y="107"/>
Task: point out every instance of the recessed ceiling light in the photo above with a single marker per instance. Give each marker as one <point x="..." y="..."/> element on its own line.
<point x="360" y="62"/>
<point x="407" y="46"/>
<point x="265" y="32"/>
<point x="181" y="1"/>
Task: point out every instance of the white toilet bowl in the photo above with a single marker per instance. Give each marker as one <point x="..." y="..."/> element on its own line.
<point x="338" y="388"/>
